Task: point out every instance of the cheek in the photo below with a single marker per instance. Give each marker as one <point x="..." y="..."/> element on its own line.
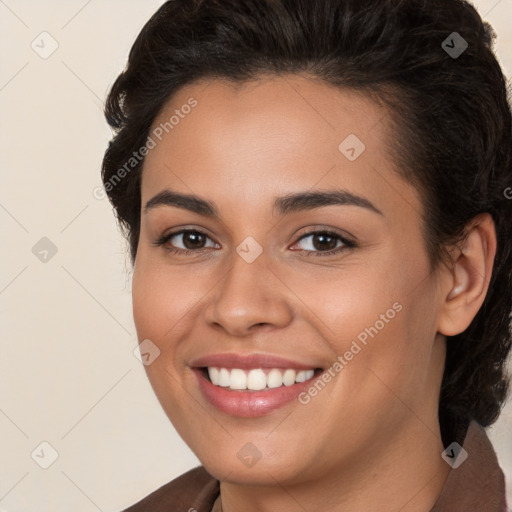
<point x="162" y="304"/>
<point x="342" y="301"/>
<point x="164" y="299"/>
<point x="373" y="317"/>
<point x="393" y="344"/>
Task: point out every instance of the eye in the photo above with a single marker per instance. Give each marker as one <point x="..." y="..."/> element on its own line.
<point x="191" y="240"/>
<point x="323" y="243"/>
<point x="315" y="243"/>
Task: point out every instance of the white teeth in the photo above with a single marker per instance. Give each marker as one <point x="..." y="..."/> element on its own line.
<point x="213" y="373"/>
<point x="301" y="376"/>
<point x="304" y="375"/>
<point x="224" y="378"/>
<point x="274" y="378"/>
<point x="238" y="379"/>
<point x="256" y="379"/>
<point x="289" y="377"/>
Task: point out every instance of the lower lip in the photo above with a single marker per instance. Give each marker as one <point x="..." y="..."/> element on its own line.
<point x="249" y="404"/>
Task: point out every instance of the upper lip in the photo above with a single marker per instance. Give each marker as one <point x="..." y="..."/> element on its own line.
<point x="248" y="361"/>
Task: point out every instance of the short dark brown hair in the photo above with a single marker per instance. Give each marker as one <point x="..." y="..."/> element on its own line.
<point x="451" y="123"/>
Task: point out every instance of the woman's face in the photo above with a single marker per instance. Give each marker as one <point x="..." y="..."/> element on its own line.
<point x="281" y="281"/>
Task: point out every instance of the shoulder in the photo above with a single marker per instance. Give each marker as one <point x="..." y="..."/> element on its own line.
<point x="194" y="491"/>
<point x="476" y="481"/>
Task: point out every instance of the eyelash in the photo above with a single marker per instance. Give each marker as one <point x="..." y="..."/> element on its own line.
<point x="347" y="244"/>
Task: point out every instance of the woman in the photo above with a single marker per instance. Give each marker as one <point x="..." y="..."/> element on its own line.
<point x="314" y="197"/>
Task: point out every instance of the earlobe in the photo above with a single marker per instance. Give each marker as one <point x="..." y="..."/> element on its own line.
<point x="469" y="277"/>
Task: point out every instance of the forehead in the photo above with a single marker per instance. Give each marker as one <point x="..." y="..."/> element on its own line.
<point x="275" y="134"/>
<point x="283" y="111"/>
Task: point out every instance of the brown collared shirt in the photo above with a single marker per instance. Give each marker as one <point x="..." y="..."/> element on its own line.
<point x="477" y="485"/>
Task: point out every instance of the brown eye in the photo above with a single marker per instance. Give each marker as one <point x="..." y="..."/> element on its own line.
<point x="193" y="240"/>
<point x="185" y="241"/>
<point x="323" y="243"/>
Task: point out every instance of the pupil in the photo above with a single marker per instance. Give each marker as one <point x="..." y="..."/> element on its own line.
<point x="322" y="245"/>
<point x="196" y="238"/>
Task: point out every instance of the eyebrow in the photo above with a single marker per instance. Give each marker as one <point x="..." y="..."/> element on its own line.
<point x="290" y="203"/>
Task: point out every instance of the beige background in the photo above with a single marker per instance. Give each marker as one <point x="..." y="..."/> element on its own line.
<point x="68" y="375"/>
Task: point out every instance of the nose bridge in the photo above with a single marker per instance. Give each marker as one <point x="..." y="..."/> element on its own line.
<point x="248" y="295"/>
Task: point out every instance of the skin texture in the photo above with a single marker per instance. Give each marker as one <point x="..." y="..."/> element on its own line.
<point x="370" y="440"/>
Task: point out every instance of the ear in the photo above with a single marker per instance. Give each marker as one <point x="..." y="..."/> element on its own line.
<point x="469" y="276"/>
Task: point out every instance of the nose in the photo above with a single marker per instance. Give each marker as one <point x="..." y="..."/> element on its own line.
<point x="249" y="298"/>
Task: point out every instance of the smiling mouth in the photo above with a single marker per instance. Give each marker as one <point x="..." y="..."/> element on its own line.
<point x="257" y="379"/>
